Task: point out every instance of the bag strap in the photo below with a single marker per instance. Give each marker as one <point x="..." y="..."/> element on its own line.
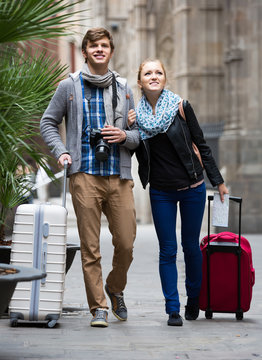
<point x="194" y="146"/>
<point x="181" y="109"/>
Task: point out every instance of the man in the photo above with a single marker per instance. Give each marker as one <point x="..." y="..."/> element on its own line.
<point x="100" y="166"/>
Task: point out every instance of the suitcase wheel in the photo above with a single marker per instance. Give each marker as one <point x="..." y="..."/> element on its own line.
<point x="51" y="320"/>
<point x="239" y="315"/>
<point x="15" y="317"/>
<point x="52" y="323"/>
<point x="14" y="322"/>
<point x="208" y="314"/>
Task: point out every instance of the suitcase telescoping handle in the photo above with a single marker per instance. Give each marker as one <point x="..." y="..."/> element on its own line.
<point x="232" y="198"/>
<point x="239" y="311"/>
<point x="64" y="183"/>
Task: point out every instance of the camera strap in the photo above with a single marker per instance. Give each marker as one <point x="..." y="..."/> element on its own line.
<point x="114" y="92"/>
<point x="114" y="95"/>
<point x="86" y="94"/>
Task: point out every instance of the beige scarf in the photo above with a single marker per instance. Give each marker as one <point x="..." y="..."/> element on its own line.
<point x="105" y="82"/>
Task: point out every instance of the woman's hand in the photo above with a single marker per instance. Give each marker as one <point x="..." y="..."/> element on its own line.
<point x="222" y="189"/>
<point x="131" y="117"/>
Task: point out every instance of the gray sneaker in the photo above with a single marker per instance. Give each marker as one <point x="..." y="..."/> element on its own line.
<point x="99" y="318"/>
<point x="118" y="305"/>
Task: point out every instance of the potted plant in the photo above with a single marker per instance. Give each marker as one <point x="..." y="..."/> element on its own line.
<point x="9" y="277"/>
<point x="28" y="78"/>
<point x="21" y="92"/>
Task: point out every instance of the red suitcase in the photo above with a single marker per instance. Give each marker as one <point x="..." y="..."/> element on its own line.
<point x="228" y="273"/>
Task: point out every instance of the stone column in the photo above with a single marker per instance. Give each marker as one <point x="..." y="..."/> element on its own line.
<point x="132" y="24"/>
<point x="241" y="144"/>
<point x="198" y="65"/>
<point x="198" y="56"/>
<point x="141" y="46"/>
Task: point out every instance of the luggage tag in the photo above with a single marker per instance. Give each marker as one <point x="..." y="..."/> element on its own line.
<point x="220" y="211"/>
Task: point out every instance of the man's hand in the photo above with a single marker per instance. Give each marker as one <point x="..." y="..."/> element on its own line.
<point x="113" y="134"/>
<point x="62" y="158"/>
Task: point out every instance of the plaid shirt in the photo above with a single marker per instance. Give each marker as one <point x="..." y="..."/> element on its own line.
<point x="96" y="120"/>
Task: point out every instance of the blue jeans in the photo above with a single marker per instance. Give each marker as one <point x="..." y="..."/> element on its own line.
<point x="164" y="210"/>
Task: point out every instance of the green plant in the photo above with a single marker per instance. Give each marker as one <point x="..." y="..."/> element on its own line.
<point x="28" y="77"/>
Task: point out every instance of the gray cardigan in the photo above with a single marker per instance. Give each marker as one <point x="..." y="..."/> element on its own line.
<point x="67" y="102"/>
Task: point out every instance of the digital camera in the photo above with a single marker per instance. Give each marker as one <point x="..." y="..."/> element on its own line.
<point x="102" y="148"/>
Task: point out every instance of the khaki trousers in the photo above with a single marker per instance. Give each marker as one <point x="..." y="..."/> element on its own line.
<point x="92" y="195"/>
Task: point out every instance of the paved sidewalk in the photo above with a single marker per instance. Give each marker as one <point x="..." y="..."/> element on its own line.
<point x="145" y="335"/>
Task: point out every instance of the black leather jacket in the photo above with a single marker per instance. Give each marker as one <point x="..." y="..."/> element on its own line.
<point x="181" y="133"/>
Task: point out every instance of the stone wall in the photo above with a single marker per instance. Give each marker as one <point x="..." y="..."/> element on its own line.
<point x="212" y="50"/>
<point x="240" y="145"/>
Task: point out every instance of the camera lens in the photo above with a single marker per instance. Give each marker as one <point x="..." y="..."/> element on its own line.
<point x="102" y="150"/>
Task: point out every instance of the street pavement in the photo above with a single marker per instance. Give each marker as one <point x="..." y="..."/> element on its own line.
<point x="145" y="335"/>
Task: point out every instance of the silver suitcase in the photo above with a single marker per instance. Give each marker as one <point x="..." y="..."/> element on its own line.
<point x="39" y="240"/>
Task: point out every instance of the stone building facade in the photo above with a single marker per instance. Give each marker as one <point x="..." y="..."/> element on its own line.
<point x="212" y="50"/>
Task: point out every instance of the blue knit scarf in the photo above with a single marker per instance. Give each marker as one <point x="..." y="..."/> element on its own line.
<point x="166" y="109"/>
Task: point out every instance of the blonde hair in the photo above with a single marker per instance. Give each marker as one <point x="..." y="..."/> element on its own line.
<point x="147" y="61"/>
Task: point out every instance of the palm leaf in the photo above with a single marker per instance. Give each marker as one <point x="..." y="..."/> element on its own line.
<point x="25" y="91"/>
<point x="22" y="20"/>
<point x="28" y="79"/>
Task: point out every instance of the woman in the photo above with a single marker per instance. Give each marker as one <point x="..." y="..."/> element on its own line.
<point x="168" y="163"/>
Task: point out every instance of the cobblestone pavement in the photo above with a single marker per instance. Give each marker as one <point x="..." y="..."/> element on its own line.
<point x="145" y="335"/>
